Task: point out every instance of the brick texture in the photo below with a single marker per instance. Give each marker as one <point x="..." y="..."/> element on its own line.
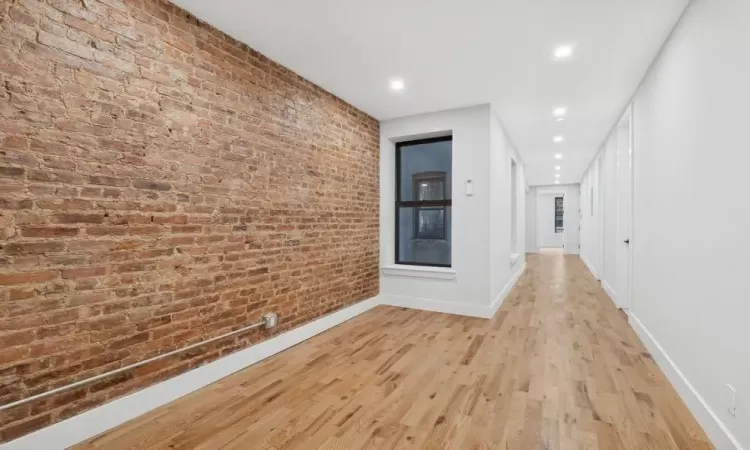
<point x="160" y="184"/>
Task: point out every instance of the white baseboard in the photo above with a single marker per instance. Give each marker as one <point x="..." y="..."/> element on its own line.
<point x="98" y="420"/>
<point x="589" y="266"/>
<point x="506" y="290"/>
<point x="716" y="430"/>
<point x="427" y="304"/>
<point x="461" y="309"/>
<point x="611" y="292"/>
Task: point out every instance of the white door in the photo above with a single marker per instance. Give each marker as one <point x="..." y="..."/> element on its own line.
<point x="624" y="208"/>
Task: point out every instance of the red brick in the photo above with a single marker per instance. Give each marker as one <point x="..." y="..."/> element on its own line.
<point x="128" y="342"/>
<point x="12" y="203"/>
<point x="26" y="277"/>
<point x="170" y="219"/>
<point x="79" y="218"/>
<point x="87" y="272"/>
<point x="12" y="172"/>
<point x="48" y="232"/>
<point x="18" y="429"/>
<point x="21" y="294"/>
<point x="15" y="142"/>
<point x="8" y="355"/>
<point x="65" y="44"/>
<point x="172" y="194"/>
<point x="152" y="185"/>
<point x="108" y="181"/>
<point x="33" y="248"/>
<point x="52" y="176"/>
<point x="16" y="338"/>
<point x="187" y="229"/>
<point x="21" y="16"/>
<point x="91" y="192"/>
<point x="65" y="205"/>
<point x="107" y="231"/>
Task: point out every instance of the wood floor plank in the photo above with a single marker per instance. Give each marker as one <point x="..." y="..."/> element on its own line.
<point x="558" y="367"/>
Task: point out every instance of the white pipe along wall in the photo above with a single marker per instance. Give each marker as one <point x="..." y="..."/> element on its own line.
<point x="690" y="301"/>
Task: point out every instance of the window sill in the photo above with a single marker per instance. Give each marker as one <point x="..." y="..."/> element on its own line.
<point x="514" y="257"/>
<point x="436" y="273"/>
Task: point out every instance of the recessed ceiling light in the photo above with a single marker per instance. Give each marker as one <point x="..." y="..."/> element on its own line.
<point x="558" y="139"/>
<point x="559" y="112"/>
<point x="557" y="168"/>
<point x="563" y="52"/>
<point x="397" y="84"/>
<point x="558" y="155"/>
<point x="557" y="175"/>
<point x="559" y="119"/>
<point x="557" y="181"/>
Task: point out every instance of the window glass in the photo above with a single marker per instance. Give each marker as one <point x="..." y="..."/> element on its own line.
<point x="425" y="171"/>
<point x="425" y="236"/>
<point x="559" y="214"/>
<point x="423" y="209"/>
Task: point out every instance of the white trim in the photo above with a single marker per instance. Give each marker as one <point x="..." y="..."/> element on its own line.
<point x="556" y="191"/>
<point x="631" y="246"/>
<point x="514" y="258"/>
<point x="98" y="420"/>
<point x="440" y="306"/>
<point x="500" y="299"/>
<point x="600" y="214"/>
<point x="611" y="292"/>
<point x="589" y="266"/>
<point x="462" y="309"/>
<point x="716" y="430"/>
<point x="403" y="270"/>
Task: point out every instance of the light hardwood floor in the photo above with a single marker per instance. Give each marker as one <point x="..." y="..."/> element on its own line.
<point x="557" y="368"/>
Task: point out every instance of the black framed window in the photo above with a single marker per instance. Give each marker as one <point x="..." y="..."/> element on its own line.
<point x="423" y="202"/>
<point x="559" y="213"/>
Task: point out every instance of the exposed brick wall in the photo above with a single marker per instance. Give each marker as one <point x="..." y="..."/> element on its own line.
<point x="160" y="184"/>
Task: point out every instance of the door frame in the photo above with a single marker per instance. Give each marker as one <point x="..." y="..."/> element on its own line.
<point x="626" y="302"/>
<point x="631" y="246"/>
<point x="599" y="216"/>
<point x="556" y="193"/>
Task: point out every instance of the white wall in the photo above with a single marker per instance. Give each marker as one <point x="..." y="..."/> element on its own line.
<point x="572" y="219"/>
<point x="691" y="206"/>
<point x="501" y="152"/>
<point x="609" y="154"/>
<point x="479" y="272"/>
<point x="591" y="222"/>
<point x="530" y="226"/>
<point x="691" y="300"/>
<point x="540" y="214"/>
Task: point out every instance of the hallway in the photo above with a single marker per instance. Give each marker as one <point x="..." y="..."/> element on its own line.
<point x="556" y="368"/>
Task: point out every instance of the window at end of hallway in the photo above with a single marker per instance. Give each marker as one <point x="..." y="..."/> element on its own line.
<point x="559" y="202"/>
<point x="423" y="202"/>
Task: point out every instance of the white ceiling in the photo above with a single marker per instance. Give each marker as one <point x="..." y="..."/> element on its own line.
<point x="454" y="53"/>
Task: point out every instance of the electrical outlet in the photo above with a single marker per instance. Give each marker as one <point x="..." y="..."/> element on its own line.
<point x="732" y="400"/>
